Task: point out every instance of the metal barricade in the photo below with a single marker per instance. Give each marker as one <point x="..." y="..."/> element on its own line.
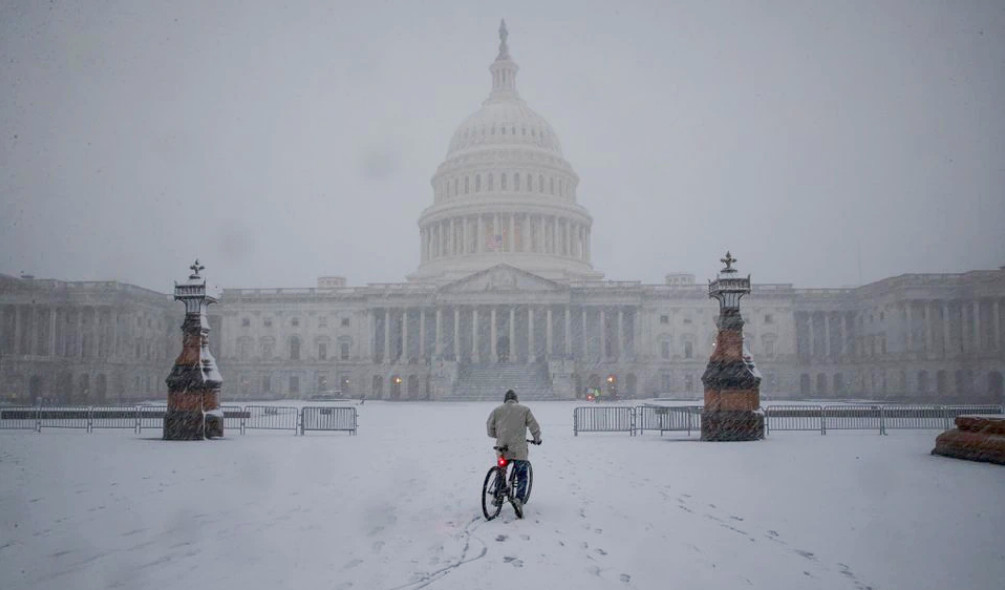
<point x="272" y="418"/>
<point x="150" y="417"/>
<point x="233" y="418"/>
<point x="852" y="418"/>
<point x="64" y="417"/>
<point x="328" y="418"/>
<point x="603" y="419"/>
<point x="114" y="417"/>
<point x="19" y="418"/>
<point x="794" y="417"/>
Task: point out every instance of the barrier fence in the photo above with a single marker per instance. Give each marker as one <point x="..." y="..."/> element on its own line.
<point x="235" y="418"/>
<point x="603" y="419"/>
<point x="806" y="417"/>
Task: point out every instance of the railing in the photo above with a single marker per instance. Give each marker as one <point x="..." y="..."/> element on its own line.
<point x="808" y="417"/>
<point x="236" y="418"/>
<point x="603" y="419"/>
<point x="328" y="418"/>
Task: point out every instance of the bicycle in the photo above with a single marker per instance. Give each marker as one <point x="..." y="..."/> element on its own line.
<point x="499" y="487"/>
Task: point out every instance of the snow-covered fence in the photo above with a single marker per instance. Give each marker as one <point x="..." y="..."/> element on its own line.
<point x="338" y="418"/>
<point x="272" y="418"/>
<point x="64" y="417"/>
<point x="115" y="417"/>
<point x="875" y="417"/>
<point x="603" y="419"/>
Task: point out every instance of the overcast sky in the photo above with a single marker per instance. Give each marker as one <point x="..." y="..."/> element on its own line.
<point x="824" y="143"/>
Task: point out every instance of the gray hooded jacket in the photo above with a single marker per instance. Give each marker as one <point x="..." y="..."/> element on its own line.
<point x="508" y="424"/>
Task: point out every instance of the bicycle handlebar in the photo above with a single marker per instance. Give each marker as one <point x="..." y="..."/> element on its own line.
<point x="506" y="447"/>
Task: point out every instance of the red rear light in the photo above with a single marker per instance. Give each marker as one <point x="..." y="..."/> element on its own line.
<point x="501" y="461"/>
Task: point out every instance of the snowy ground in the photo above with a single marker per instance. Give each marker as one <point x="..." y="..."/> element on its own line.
<point x="397" y="507"/>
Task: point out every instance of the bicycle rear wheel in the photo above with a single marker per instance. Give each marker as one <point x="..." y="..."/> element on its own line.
<point x="493" y="493"/>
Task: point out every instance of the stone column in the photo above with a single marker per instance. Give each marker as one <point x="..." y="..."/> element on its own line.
<point x="997" y="325"/>
<point x="387" y="335"/>
<point x="422" y="332"/>
<point x="621" y="332"/>
<point x="480" y="235"/>
<point x="910" y="332"/>
<point x="457" y="334"/>
<point x="548" y="338"/>
<point x="603" y="333"/>
<point x="827" y="335"/>
<point x="530" y="333"/>
<point x="464" y="235"/>
<point x="512" y="334"/>
<point x="438" y="338"/>
<point x="52" y="331"/>
<point x="946" y="340"/>
<point x="928" y="330"/>
<point x="492" y="335"/>
<point x="554" y="235"/>
<point x="844" y="334"/>
<point x="584" y="336"/>
<point x="512" y="232"/>
<point x="474" y="335"/>
<point x="809" y="321"/>
<point x="568" y="331"/>
<point x="977" y="326"/>
<point x="404" y="335"/>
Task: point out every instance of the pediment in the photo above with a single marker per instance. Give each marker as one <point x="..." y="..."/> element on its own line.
<point x="502" y="278"/>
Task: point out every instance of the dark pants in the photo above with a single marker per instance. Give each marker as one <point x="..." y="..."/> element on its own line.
<point x="520" y="472"/>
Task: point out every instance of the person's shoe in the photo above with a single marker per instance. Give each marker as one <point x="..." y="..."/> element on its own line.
<point x="517" y="507"/>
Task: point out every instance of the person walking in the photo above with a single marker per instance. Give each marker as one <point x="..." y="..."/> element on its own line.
<point x="508" y="424"/>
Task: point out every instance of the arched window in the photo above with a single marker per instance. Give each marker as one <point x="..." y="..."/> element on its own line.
<point x="502" y="181"/>
<point x="540" y="183"/>
<point x="455" y="186"/>
<point x="467" y="184"/>
<point x="551" y="183"/>
<point x="516" y="181"/>
<point x="295" y="348"/>
<point x="478" y="181"/>
<point x="490" y="182"/>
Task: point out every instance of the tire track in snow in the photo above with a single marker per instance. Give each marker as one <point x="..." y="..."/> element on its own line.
<point x="428" y="578"/>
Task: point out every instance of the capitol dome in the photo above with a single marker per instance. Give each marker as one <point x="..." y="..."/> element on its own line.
<point x="505" y="194"/>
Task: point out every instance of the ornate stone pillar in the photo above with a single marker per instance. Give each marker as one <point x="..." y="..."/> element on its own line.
<point x="732" y="386"/>
<point x="193" y="408"/>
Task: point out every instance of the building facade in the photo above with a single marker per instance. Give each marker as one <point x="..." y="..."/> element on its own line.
<point x="505" y="296"/>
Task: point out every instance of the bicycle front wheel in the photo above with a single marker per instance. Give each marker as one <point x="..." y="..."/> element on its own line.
<point x="492" y="493"/>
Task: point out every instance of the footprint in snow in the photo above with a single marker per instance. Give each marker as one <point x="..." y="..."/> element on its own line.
<point x="625" y="578"/>
<point x="513" y="560"/>
<point x="352" y="563"/>
<point x="807" y="554"/>
<point x="500" y="538"/>
<point x="601" y="551"/>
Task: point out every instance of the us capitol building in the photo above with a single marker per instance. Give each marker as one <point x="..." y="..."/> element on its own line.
<point x="505" y="296"/>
